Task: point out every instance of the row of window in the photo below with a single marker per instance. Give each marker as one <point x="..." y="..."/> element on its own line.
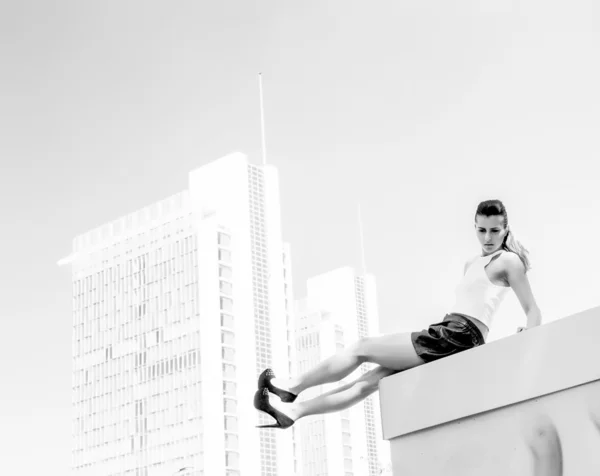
<point x="226" y="288"/>
<point x="228" y="366"/>
<point x="309" y="340"/>
<point x="361" y="315"/>
<point x="261" y="311"/>
<point x="110" y="328"/>
<point x="111" y="418"/>
<point x="258" y="232"/>
<point x="114" y="391"/>
<point x="157" y="274"/>
<point x="172" y="260"/>
<point x="371" y="434"/>
<point x="119" y="364"/>
<point x="108" y="314"/>
<point x="183" y="419"/>
<point x="261" y="304"/>
<point x="172" y="365"/>
<point x="118" y="456"/>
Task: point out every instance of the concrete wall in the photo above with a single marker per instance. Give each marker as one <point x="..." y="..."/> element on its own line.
<point x="525" y="405"/>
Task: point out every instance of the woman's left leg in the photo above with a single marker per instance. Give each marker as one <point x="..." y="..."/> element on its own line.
<point x="392" y="351"/>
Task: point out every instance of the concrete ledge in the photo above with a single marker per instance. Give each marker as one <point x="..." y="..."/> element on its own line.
<point x="550" y="358"/>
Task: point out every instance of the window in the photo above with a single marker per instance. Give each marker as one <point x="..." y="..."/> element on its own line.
<point x="226" y="320"/>
<point x="226" y="304"/>
<point x="225" y="272"/>
<point x="231" y="441"/>
<point x="225" y="256"/>
<point x="227" y="338"/>
<point x="228" y="354"/>
<point x="231" y="423"/>
<point x="347" y="451"/>
<point x="232" y="459"/>
<point x="228" y="371"/>
<point x="229" y="389"/>
<point x="229" y="405"/>
<point x="224" y="239"/>
<point x="226" y="288"/>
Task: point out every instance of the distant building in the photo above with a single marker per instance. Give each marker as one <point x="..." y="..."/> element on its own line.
<point x="340" y="307"/>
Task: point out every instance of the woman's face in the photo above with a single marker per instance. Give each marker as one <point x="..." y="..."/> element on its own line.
<point x="490" y="232"/>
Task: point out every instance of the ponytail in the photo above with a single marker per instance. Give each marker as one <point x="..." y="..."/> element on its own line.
<point x="514" y="245"/>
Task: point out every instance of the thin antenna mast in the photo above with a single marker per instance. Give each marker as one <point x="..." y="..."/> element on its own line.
<point x="262" y="120"/>
<point x="362" y="243"/>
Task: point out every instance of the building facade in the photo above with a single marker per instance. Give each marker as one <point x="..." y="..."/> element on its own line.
<point x="176" y="310"/>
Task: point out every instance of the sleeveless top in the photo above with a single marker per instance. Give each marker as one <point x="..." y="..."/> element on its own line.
<point x="476" y="295"/>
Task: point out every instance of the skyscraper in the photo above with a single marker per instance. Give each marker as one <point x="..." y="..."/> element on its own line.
<point x="176" y="309"/>
<point x="340" y="307"/>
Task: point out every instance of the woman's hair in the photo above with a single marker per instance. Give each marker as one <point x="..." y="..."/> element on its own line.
<point x="490" y="208"/>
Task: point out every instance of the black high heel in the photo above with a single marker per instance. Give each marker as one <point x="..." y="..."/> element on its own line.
<point x="264" y="381"/>
<point x="261" y="402"/>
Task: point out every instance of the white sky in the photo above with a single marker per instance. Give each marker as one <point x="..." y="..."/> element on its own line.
<point x="417" y="110"/>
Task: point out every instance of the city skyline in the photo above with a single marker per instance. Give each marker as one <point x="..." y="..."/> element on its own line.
<point x="415" y="111"/>
<point x="145" y="352"/>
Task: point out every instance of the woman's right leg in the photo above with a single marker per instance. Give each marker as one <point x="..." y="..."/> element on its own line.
<point x="337" y="399"/>
<point x="392" y="351"/>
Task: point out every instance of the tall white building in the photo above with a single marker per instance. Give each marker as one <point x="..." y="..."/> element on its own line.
<point x="340" y="307"/>
<point x="176" y="310"/>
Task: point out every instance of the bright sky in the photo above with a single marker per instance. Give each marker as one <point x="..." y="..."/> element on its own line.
<point x="418" y="110"/>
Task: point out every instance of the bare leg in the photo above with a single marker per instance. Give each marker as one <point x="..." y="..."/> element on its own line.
<point x="337" y="399"/>
<point x="332" y="369"/>
<point x="394" y="351"/>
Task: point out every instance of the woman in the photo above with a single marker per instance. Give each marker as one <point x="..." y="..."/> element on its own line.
<point x="503" y="264"/>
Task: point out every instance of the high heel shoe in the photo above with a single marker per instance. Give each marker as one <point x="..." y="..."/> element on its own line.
<point x="264" y="381"/>
<point x="261" y="402"/>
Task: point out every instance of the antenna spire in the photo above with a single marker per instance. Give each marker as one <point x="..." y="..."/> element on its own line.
<point x="262" y="120"/>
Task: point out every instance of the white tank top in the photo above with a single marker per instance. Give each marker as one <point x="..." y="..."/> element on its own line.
<point x="476" y="295"/>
